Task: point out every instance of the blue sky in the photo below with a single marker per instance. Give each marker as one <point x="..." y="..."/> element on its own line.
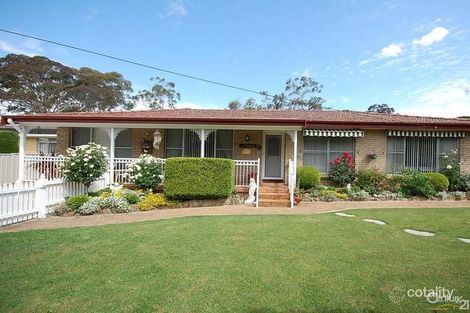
<point x="413" y="55"/>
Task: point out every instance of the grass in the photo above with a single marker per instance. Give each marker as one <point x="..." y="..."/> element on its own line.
<point x="311" y="263"/>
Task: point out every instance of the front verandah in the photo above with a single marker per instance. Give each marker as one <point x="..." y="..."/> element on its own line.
<point x="272" y="146"/>
<point x="262" y="154"/>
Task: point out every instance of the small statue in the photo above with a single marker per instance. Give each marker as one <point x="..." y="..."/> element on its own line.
<point x="251" y="192"/>
<point x="157" y="139"/>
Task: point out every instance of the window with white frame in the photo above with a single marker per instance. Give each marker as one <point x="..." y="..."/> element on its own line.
<point x="122" y="146"/>
<point x="184" y="142"/>
<point x="419" y="153"/>
<point x="47" y="146"/>
<point x="320" y="151"/>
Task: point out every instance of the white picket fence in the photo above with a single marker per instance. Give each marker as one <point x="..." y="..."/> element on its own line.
<point x="34" y="199"/>
<point x="44" y="187"/>
<point x="8" y="167"/>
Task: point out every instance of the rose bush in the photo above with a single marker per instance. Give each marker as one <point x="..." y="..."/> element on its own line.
<point x="342" y="170"/>
<point x="85" y="164"/>
<point x="146" y="172"/>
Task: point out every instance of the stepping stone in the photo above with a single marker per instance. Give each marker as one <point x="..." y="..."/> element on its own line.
<point x="466" y="240"/>
<point x="344" y="214"/>
<point x="370" y="220"/>
<point x="419" y="232"/>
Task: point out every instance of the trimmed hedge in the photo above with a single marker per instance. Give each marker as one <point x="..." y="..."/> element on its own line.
<point x="8" y="141"/>
<point x="439" y="181"/>
<point x="308" y="177"/>
<point x="198" y="178"/>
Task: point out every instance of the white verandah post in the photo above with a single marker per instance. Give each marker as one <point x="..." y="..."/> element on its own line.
<point x="112" y="140"/>
<point x="203" y="141"/>
<point x="21" y="149"/>
<point x="295" y="158"/>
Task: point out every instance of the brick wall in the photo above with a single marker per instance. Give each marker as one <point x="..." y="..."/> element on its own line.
<point x="465" y="153"/>
<point x="63" y="139"/>
<point x="139" y="135"/>
<point x="256" y="137"/>
<point x="376" y="141"/>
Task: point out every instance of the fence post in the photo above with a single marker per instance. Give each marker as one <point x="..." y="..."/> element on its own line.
<point x="41" y="196"/>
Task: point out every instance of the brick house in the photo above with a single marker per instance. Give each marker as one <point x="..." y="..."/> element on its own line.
<point x="398" y="141"/>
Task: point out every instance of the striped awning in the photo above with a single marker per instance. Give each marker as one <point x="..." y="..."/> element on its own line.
<point x="425" y="133"/>
<point x="333" y="133"/>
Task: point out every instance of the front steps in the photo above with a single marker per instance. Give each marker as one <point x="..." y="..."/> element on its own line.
<point x="273" y="195"/>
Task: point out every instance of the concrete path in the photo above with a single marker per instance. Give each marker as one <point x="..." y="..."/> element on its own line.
<point x="303" y="208"/>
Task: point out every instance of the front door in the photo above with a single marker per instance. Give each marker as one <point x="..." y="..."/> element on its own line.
<point x="273" y="157"/>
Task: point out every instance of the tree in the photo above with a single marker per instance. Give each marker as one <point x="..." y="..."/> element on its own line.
<point x="96" y="91"/>
<point x="161" y="95"/>
<point x="38" y="84"/>
<point x="300" y="93"/>
<point x="234" y="105"/>
<point x="251" y="104"/>
<point x="381" y="108"/>
<point x="34" y="84"/>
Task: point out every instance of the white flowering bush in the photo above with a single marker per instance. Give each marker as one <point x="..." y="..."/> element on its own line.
<point x="115" y="204"/>
<point x="146" y="172"/>
<point x="90" y="207"/>
<point x="450" y="167"/>
<point x="85" y="164"/>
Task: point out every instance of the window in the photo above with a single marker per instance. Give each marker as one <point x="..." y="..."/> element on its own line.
<point x="419" y="153"/>
<point x="319" y="151"/>
<point x="122" y="145"/>
<point x="184" y="142"/>
<point x="47" y="146"/>
<point x="174" y="143"/>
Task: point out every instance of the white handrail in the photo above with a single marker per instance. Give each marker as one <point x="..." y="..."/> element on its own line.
<point x="291" y="182"/>
<point x="257" y="181"/>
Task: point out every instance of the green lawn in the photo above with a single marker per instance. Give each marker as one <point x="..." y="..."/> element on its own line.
<point x="310" y="263"/>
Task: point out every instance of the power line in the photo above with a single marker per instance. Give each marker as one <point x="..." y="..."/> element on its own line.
<point x="262" y="93"/>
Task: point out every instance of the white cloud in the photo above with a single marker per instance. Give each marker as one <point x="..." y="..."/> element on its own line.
<point x="392" y="50"/>
<point x="436" y="35"/>
<point x="27" y="47"/>
<point x="449" y="99"/>
<point x="176" y="7"/>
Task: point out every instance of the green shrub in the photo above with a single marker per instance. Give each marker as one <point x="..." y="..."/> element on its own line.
<point x="392" y="184"/>
<point x="156" y="201"/>
<point x="92" y="206"/>
<point x="439" y="181"/>
<point x="131" y="196"/>
<point x="371" y="180"/>
<point x="308" y="177"/>
<point x="199" y="178"/>
<point x="8" y="141"/>
<point x="75" y="202"/>
<point x="414" y="183"/>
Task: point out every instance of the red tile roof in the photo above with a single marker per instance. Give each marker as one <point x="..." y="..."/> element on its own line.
<point x="320" y="119"/>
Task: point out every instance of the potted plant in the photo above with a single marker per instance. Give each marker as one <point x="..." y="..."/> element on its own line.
<point x="372" y="155"/>
<point x="297" y="197"/>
